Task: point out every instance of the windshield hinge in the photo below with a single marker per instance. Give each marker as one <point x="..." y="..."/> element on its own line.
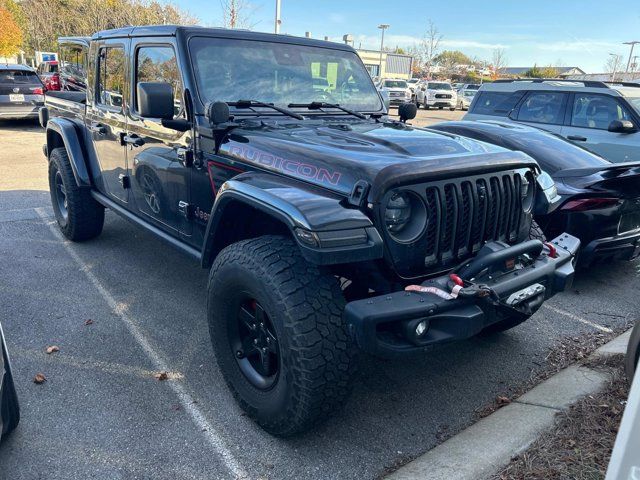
<point x="359" y="192"/>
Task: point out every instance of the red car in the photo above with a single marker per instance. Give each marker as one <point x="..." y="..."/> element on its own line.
<point x="49" y="74"/>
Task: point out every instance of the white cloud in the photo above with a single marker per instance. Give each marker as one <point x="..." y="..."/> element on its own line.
<point x="391" y="40"/>
<point x="458" y="44"/>
<point x="577" y="46"/>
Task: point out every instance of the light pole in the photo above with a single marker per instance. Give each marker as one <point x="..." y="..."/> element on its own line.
<point x="615" y="66"/>
<point x="633" y="44"/>
<point x="383" y="27"/>
<point x="278" y="21"/>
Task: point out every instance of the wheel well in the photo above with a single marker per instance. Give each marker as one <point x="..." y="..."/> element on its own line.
<point x="54" y="140"/>
<point x="240" y="222"/>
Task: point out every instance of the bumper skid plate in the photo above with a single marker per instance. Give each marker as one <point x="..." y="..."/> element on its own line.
<point x="501" y="282"/>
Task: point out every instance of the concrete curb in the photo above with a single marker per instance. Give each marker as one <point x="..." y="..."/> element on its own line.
<point x="483" y="448"/>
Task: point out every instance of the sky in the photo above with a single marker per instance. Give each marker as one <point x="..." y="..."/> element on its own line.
<point x="543" y="32"/>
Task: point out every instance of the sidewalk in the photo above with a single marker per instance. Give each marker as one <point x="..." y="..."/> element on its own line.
<point x="483" y="448"/>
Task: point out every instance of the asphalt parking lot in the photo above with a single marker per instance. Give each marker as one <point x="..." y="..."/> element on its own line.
<point x="103" y="414"/>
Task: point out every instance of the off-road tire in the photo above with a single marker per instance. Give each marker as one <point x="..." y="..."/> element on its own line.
<point x="535" y="233"/>
<point x="304" y="305"/>
<point x="9" y="409"/>
<point x="633" y="352"/>
<point x="85" y="216"/>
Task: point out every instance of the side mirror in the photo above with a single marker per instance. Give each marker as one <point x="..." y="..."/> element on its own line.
<point x="407" y="111"/>
<point x="155" y="100"/>
<point x="217" y="112"/>
<point x="621" y="126"/>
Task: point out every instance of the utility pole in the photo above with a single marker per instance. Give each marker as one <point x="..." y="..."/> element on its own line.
<point x="278" y="21"/>
<point x="383" y="27"/>
<point x="633" y="44"/>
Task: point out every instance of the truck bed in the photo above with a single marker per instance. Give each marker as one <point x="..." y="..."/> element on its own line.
<point x="66" y="104"/>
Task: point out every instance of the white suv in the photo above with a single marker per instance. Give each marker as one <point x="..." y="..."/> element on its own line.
<point x="436" y="94"/>
<point x="397" y="90"/>
<point x="602" y="117"/>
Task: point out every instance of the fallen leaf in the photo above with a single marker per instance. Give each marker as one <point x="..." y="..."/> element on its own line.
<point x="39" y="378"/>
<point x="53" y="349"/>
<point x="176" y="407"/>
<point x="503" y="400"/>
<point x="162" y="376"/>
<point x="88" y="322"/>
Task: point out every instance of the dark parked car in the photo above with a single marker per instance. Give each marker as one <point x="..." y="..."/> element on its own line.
<point x="600" y="199"/>
<point x="21" y="92"/>
<point x="327" y="228"/>
<point x="9" y="409"/>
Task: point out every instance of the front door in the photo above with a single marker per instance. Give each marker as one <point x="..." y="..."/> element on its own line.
<point x="160" y="165"/>
<point x="106" y="119"/>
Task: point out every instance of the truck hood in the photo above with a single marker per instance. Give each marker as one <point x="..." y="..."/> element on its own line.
<point x="337" y="155"/>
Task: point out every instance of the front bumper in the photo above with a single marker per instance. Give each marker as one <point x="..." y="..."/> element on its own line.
<point x="441" y="102"/>
<point x="625" y="246"/>
<point x="386" y="325"/>
<point x="398" y="100"/>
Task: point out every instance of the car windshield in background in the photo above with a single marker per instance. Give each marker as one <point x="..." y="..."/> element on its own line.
<point x="439" y="86"/>
<point x="468" y="93"/>
<point x="230" y="70"/>
<point x="395" y="84"/>
<point x="18" y="76"/>
<point x="413" y="80"/>
<point x="635" y="103"/>
<point x="472" y="86"/>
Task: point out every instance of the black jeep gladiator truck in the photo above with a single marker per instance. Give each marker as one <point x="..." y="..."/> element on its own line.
<point x="327" y="227"/>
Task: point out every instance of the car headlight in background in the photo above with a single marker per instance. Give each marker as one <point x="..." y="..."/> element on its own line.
<point x="527" y="191"/>
<point x="405" y="216"/>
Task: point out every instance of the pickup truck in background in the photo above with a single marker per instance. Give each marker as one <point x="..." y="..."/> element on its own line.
<point x="327" y="228"/>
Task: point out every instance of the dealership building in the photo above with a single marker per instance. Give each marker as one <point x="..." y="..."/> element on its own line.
<point x="393" y="65"/>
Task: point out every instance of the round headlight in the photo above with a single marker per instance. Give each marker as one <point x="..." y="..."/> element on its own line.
<point x="405" y="216"/>
<point x="398" y="212"/>
<point x="527" y="191"/>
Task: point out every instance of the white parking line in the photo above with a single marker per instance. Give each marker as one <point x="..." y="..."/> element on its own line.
<point x="577" y="318"/>
<point x="186" y="400"/>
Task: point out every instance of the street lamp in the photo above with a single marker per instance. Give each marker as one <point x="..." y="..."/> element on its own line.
<point x="383" y="27"/>
<point x="633" y="44"/>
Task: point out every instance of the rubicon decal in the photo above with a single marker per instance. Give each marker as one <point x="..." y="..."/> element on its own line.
<point x="294" y="167"/>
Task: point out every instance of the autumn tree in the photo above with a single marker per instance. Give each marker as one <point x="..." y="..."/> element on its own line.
<point x="10" y="34"/>
<point x="237" y="14"/>
<point x="449" y="59"/>
<point x="499" y="62"/>
<point x="430" y="45"/>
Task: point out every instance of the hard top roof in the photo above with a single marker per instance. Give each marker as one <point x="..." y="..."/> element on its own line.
<point x="15" y="66"/>
<point x="613" y="88"/>
<point x="173" y="30"/>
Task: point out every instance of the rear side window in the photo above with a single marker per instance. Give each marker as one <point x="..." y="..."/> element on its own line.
<point x="18" y="76"/>
<point x="159" y="64"/>
<point x="495" y="103"/>
<point x="543" y="107"/>
<point x="111" y="79"/>
<point x="596" y="111"/>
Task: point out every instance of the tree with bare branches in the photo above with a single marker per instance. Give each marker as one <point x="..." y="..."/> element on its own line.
<point x="237" y="14"/>
<point x="499" y="62"/>
<point x="430" y="46"/>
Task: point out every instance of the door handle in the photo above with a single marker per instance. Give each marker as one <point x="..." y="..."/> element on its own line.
<point x="577" y="138"/>
<point x="133" y="140"/>
<point x="97" y="128"/>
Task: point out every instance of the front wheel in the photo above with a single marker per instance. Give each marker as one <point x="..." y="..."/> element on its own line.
<point x="276" y="326"/>
<point x="9" y="407"/>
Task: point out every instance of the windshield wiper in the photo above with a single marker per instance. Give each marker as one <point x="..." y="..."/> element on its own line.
<point x="321" y="105"/>
<point x="256" y="103"/>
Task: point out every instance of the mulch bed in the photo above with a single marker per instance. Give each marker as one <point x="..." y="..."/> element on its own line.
<point x="580" y="444"/>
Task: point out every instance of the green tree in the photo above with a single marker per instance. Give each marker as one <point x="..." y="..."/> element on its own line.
<point x="545" y="72"/>
<point x="448" y="60"/>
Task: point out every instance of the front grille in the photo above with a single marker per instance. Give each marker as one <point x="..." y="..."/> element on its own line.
<point x="462" y="216"/>
<point x="443" y="95"/>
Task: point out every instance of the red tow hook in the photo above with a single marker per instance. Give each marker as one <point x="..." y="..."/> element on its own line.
<point x="456" y="279"/>
<point x="553" y="252"/>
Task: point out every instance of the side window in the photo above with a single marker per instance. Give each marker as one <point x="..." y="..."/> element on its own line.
<point x="596" y="111"/>
<point x="159" y="64"/>
<point x="495" y="103"/>
<point x="543" y="107"/>
<point x="111" y="79"/>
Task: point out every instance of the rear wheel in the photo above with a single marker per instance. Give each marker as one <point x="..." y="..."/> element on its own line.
<point x="78" y="215"/>
<point x="276" y="326"/>
<point x="9" y="407"/>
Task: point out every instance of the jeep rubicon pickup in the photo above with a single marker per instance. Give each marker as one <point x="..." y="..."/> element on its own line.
<point x="327" y="227"/>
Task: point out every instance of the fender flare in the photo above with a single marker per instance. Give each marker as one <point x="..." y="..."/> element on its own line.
<point x="349" y="235"/>
<point x="71" y="141"/>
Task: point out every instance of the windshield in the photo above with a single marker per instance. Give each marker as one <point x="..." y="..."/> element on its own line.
<point x="18" y="76"/>
<point x="468" y="93"/>
<point x="413" y="80"/>
<point x="395" y="84"/>
<point x="439" y="86"/>
<point x="230" y="70"/>
<point x="635" y="103"/>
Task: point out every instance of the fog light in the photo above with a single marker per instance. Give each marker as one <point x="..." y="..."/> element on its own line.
<point x="421" y="328"/>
